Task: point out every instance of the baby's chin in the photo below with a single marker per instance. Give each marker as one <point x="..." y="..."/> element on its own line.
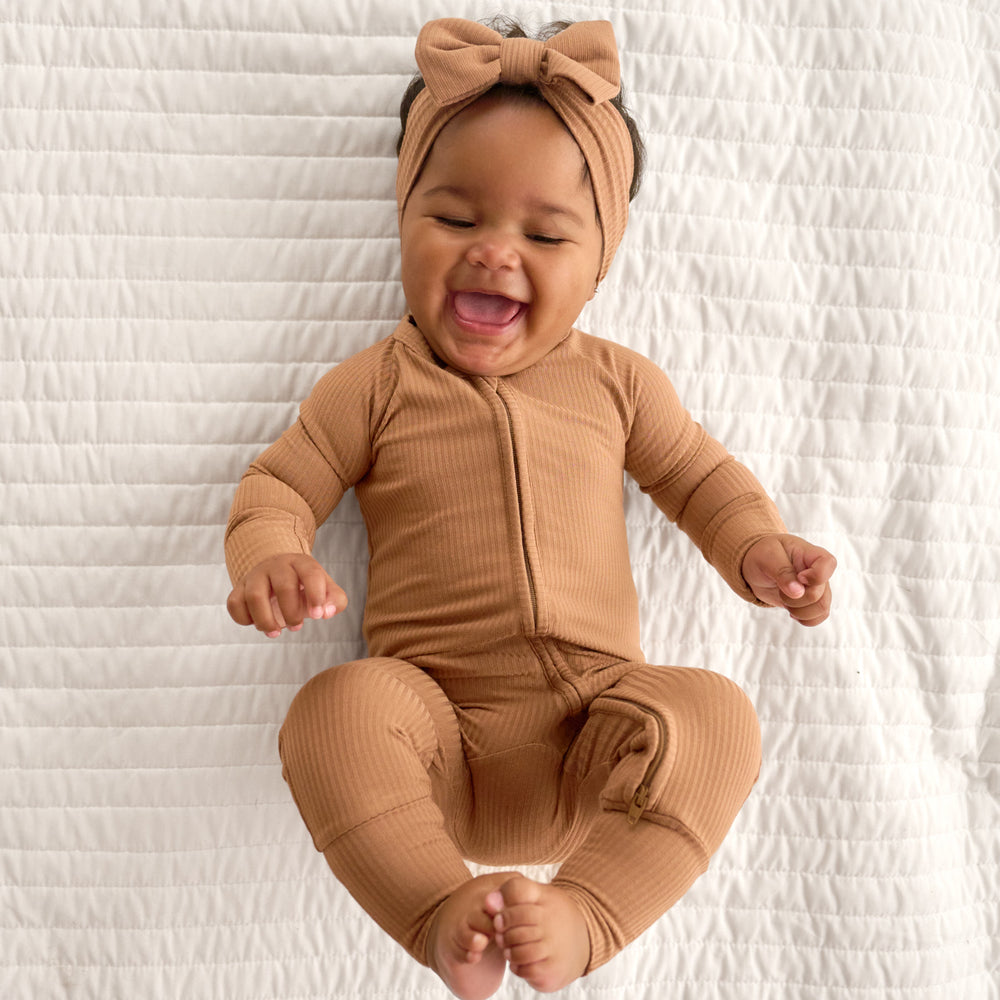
<point x="491" y="362"/>
<point x="489" y="354"/>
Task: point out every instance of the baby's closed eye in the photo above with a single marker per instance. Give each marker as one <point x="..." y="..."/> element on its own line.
<point x="454" y="223"/>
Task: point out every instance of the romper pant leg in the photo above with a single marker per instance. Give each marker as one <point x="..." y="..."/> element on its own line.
<point x="675" y="752"/>
<point x="371" y="750"/>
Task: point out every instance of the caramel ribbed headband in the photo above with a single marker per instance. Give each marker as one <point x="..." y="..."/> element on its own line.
<point x="575" y="71"/>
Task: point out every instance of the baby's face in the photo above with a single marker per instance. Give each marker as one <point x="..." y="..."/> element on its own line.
<point x="501" y="245"/>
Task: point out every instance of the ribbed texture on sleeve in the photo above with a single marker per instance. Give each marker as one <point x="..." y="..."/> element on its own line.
<point x="295" y="484"/>
<point x="267" y="519"/>
<point x="725" y="516"/>
<point x="693" y="479"/>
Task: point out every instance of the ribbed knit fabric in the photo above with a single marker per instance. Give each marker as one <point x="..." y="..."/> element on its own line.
<point x="625" y="878"/>
<point x="526" y="752"/>
<point x="506" y="715"/>
<point x="521" y="476"/>
<point x="369" y="750"/>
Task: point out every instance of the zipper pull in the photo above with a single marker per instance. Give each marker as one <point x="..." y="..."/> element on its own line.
<point x="638" y="804"/>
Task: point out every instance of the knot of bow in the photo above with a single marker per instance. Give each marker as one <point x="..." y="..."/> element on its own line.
<point x="459" y="59"/>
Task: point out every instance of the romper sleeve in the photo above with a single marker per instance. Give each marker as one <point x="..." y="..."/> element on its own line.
<point x="293" y="486"/>
<point x="691" y="477"/>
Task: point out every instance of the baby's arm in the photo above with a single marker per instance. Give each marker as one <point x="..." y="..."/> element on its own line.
<point x="720" y="504"/>
<point x="272" y="524"/>
<point x="282" y="591"/>
<point x="281" y="500"/>
<point x="785" y="571"/>
<point x="293" y="487"/>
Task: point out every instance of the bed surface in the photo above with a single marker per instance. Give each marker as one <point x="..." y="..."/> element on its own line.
<point x="198" y="220"/>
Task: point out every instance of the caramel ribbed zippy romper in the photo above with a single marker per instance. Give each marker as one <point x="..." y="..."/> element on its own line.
<point x="505" y="714"/>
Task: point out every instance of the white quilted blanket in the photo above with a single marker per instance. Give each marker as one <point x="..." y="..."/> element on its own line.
<point x="197" y="219"/>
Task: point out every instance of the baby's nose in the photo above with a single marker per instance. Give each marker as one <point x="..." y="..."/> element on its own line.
<point x="494" y="251"/>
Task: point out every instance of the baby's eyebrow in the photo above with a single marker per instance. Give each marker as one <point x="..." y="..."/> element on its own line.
<point x="550" y="209"/>
<point x="447" y="189"/>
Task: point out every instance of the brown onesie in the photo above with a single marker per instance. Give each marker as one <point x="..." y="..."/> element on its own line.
<point x="506" y="714"/>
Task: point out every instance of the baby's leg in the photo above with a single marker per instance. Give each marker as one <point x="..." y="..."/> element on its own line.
<point x="371" y="751"/>
<point x="677" y="752"/>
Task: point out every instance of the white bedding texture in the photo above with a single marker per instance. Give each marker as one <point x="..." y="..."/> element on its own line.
<point x="197" y="219"/>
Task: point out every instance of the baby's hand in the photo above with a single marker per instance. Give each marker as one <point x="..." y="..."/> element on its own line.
<point x="788" y="572"/>
<point x="281" y="592"/>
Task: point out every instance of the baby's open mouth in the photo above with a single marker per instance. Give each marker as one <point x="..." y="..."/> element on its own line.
<point x="482" y="307"/>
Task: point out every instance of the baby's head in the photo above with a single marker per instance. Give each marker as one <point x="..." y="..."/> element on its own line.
<point x="517" y="164"/>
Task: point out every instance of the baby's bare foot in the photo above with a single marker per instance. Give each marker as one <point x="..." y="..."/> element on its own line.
<point x="541" y="933"/>
<point x="461" y="946"/>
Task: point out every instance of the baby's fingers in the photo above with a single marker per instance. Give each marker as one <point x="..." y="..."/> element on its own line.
<point x="280" y="618"/>
<point x="261" y="607"/>
<point x="814" y="608"/>
<point x="282" y="591"/>
<point x="285" y="597"/>
<point x="818" y="570"/>
<point x="321" y="597"/>
<point x="236" y="605"/>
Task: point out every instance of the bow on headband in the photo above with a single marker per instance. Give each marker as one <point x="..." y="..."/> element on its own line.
<point x="576" y="73"/>
<point x="460" y="58"/>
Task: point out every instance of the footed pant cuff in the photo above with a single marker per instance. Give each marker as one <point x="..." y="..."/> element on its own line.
<point x="400" y="867"/>
<point x="624" y="878"/>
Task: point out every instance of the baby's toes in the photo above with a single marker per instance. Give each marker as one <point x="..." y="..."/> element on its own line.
<point x="520" y="890"/>
<point x="520" y="953"/>
<point x="473" y="947"/>
<point x="525" y="919"/>
<point x="469" y="938"/>
<point x="480" y="923"/>
<point x="515" y="936"/>
<point x="521" y="937"/>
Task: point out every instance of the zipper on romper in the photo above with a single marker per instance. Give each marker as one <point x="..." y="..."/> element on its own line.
<point x="520" y="515"/>
<point x="637" y="804"/>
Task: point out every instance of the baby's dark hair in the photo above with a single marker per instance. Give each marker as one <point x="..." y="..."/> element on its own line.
<point x="526" y="93"/>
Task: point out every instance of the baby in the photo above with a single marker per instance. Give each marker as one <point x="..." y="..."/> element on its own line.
<point x="506" y="714"/>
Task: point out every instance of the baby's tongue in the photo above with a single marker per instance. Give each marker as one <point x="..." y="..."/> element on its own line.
<point x="479" y="307"/>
